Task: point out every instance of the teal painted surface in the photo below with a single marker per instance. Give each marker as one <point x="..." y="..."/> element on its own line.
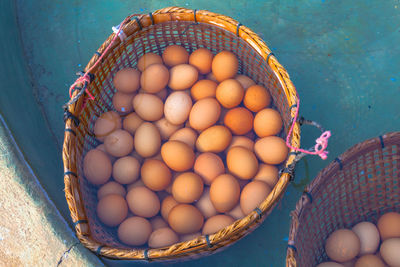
<point x="342" y="56"/>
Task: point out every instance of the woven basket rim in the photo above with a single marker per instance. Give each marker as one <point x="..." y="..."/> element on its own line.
<point x="72" y="190"/>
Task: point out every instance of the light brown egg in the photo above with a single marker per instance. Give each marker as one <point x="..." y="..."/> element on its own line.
<point x="106" y="124"/>
<point x="167" y="204"/>
<point x="97" y="167"/>
<point x="242" y="162"/>
<point x="112" y="210"/>
<point x="123" y="102"/>
<point x="245" y="81"/>
<point x="208" y="165"/>
<point x="224" y="192"/>
<point x="202" y="60"/>
<point x="188" y="237"/>
<point x="149" y="107"/>
<point x="185" y="135"/>
<point x="185" y="219"/>
<point x="342" y="245"/>
<point x="256" y="98"/>
<point x="214" y="139"/>
<point x="229" y="93"/>
<point x="102" y="147"/>
<point x="369" y="261"/>
<point x="166" y="128"/>
<point x="216" y="223"/>
<point x="224" y="65"/>
<point x="174" y="55"/>
<point x="111" y="188"/>
<point x="182" y="77"/>
<point x="155" y="174"/>
<point x="163" y="237"/>
<point x="239" y="120"/>
<point x="177" y="107"/>
<point x="236" y="212"/>
<point x="204" y="113"/>
<point x="134" y="231"/>
<point x="389" y="225"/>
<point x="253" y="194"/>
<point x="369" y="237"/>
<point x="267" y="122"/>
<point x="330" y="264"/>
<point x="119" y="143"/>
<point x="147" y="140"/>
<point x="131" y="122"/>
<point x="143" y="202"/>
<point x="205" y="205"/>
<point x="147" y="60"/>
<point x="187" y="187"/>
<point x="271" y="150"/>
<point x="126" y="170"/>
<point x="158" y="222"/>
<point x="203" y="89"/>
<point x="127" y="80"/>
<point x="138" y="183"/>
<point x="177" y="155"/>
<point x="241" y="141"/>
<point x="154" y="78"/>
<point x="389" y="251"/>
<point x="268" y="174"/>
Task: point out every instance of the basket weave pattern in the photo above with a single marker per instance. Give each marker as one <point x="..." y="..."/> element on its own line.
<point x="153" y="33"/>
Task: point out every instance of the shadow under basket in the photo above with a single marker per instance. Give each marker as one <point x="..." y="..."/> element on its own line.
<point x="360" y="185"/>
<point x="152" y="33"/>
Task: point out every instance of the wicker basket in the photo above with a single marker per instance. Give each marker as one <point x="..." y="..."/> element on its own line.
<point x="152" y="33"/>
<point x="360" y="185"/>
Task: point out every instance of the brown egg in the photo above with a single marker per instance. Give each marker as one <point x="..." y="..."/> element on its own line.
<point x="389" y="225"/>
<point x="126" y="170"/>
<point x="187" y="187"/>
<point x="174" y="55"/>
<point x="342" y="245"/>
<point x="131" y="122"/>
<point x="271" y="150"/>
<point x="167" y="204"/>
<point x="134" y="231"/>
<point x="236" y="212"/>
<point x="163" y="237"/>
<point x="177" y="107"/>
<point x="211" y="77"/>
<point x="182" y="77"/>
<point x="208" y="165"/>
<point x="216" y="223"/>
<point x="162" y="94"/>
<point x="102" y="147"/>
<point x="166" y="128"/>
<point x="157" y="223"/>
<point x="205" y="205"/>
<point x="245" y="81"/>
<point x="224" y="65"/>
<point x="202" y="60"/>
<point x="253" y="194"/>
<point x="143" y="202"/>
<point x="149" y="107"/>
<point x="242" y="162"/>
<point x="239" y="120"/>
<point x="127" y="80"/>
<point x="204" y="113"/>
<point x="369" y="261"/>
<point x="106" y="124"/>
<point x="267" y="122"/>
<point x="224" y="192"/>
<point x="188" y="237"/>
<point x="214" y="139"/>
<point x="138" y="183"/>
<point x="97" y="167"/>
<point x="154" y="78"/>
<point x="111" y="188"/>
<point x="185" y="219"/>
<point x="119" y="143"/>
<point x="177" y="155"/>
<point x="147" y="140"/>
<point x="256" y="98"/>
<point x="147" y="60"/>
<point x="203" y="89"/>
<point x="185" y="135"/>
<point x="123" y="102"/>
<point x="155" y="174"/>
<point x="268" y="174"/>
<point x="369" y="237"/>
<point x="229" y="93"/>
<point x="389" y="251"/>
<point x="241" y="141"/>
<point x="347" y="263"/>
<point x="112" y="210"/>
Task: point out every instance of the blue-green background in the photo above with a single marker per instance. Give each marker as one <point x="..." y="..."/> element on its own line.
<point x="343" y="57"/>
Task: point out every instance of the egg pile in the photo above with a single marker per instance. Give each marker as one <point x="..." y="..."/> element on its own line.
<point x="191" y="148"/>
<point x="366" y="245"/>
